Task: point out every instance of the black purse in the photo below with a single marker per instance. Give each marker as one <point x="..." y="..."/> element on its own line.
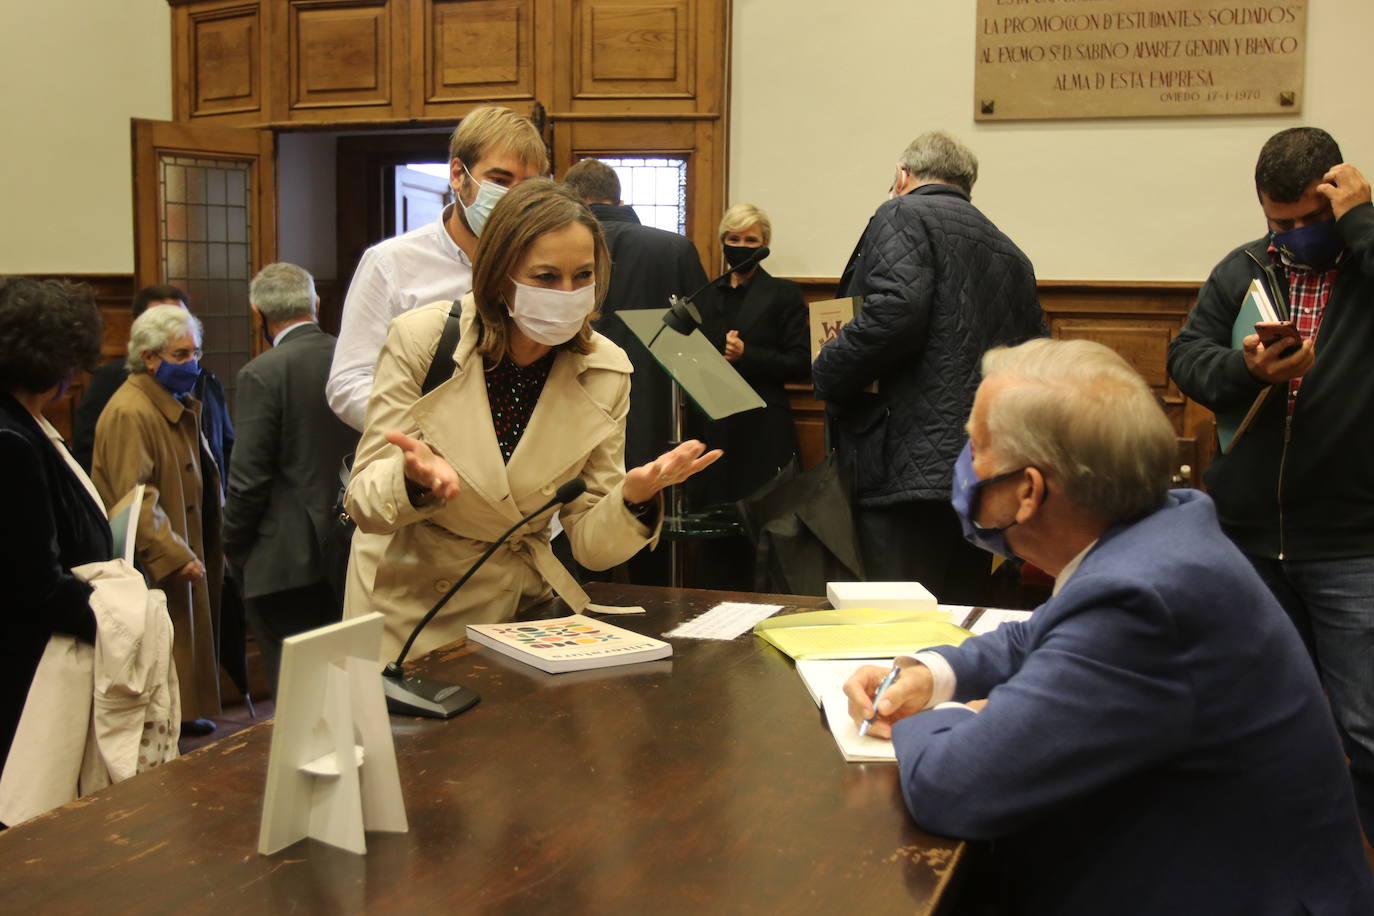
<point x="338" y="542"/>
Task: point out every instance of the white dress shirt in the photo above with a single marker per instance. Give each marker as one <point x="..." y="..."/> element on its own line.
<point x="942" y="680"/>
<point x="425" y="265"/>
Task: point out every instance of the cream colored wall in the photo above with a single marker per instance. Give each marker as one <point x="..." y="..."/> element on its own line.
<point x="826" y="95"/>
<point x="74" y="72"/>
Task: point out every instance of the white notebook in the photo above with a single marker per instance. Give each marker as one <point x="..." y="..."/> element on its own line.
<point x="824" y="679"/>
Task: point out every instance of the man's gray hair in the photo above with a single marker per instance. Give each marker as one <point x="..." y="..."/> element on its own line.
<point x="283" y="292"/>
<point x="152" y="331"/>
<point x="937" y="156"/>
<point x="1080" y="413"/>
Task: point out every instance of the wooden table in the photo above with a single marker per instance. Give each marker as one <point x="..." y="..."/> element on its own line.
<point x="704" y="783"/>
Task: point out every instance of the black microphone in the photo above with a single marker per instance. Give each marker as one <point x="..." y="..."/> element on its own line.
<point x="415" y="696"/>
<point x="682" y="315"/>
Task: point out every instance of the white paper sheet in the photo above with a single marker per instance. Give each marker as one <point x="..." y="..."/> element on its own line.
<point x="725" y="621"/>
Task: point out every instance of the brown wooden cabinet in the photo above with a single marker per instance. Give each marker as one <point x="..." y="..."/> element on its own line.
<point x="265" y="63"/>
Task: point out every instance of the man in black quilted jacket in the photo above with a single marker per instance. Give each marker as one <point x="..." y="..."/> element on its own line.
<point x="941" y="285"/>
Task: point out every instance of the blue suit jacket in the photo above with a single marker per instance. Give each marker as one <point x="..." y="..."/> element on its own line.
<point x="1155" y="741"/>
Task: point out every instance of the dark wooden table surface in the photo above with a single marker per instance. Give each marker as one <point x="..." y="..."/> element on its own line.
<point x="704" y="783"/>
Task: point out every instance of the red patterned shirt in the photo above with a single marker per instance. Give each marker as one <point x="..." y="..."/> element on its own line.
<point x="1308" y="293"/>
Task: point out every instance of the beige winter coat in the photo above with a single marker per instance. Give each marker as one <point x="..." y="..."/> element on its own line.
<point x="404" y="558"/>
<point x="145" y="435"/>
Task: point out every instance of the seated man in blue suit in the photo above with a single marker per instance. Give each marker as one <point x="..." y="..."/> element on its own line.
<point x="1154" y="738"/>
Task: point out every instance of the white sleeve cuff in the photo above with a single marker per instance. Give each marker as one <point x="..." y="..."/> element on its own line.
<point x="953" y="705"/>
<point x="942" y="680"/>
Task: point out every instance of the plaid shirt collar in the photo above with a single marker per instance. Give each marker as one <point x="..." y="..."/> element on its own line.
<point x="1308" y="293"/>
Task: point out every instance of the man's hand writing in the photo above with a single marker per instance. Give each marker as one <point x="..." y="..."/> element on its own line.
<point x="907" y="696"/>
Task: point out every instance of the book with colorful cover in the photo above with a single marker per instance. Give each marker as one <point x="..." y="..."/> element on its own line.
<point x="571" y="643"/>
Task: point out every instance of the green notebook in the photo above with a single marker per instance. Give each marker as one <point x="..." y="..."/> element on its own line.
<point x="1257" y="307"/>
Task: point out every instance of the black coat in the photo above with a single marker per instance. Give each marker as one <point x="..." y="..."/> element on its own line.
<point x="105" y="381"/>
<point x="941" y="285"/>
<point x="1300" y="487"/>
<point x="285" y="477"/>
<point x="771" y="321"/>
<point x="647" y="266"/>
<point x="53" y="525"/>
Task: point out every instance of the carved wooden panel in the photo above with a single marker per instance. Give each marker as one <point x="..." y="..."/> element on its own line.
<point x="634" y="49"/>
<point x="223" y="60"/>
<point x="339" y="54"/>
<point x="1143" y="344"/>
<point x="477" y="50"/>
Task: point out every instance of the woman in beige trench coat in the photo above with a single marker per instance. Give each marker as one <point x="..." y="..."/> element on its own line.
<point x="149" y="434"/>
<point x="536" y="398"/>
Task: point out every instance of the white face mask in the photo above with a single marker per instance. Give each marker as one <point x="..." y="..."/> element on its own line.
<point x="476" y="213"/>
<point x="551" y="316"/>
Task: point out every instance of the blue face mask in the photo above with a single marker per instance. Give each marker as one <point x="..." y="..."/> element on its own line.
<point x="964" y="496"/>
<point x="178" y="378"/>
<point x="476" y="213"/>
<point x="1313" y="246"/>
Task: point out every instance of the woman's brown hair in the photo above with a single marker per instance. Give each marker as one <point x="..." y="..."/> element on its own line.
<point x="527" y="211"/>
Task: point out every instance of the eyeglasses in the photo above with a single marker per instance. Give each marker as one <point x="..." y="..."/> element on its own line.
<point x="181" y="356"/>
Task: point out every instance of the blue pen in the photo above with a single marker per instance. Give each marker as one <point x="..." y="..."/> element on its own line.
<point x="882" y="689"/>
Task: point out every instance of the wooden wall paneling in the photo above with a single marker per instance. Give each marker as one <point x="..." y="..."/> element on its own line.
<point x="219" y="67"/>
<point x="628" y="49"/>
<point x="472" y="51"/>
<point x="340" y="59"/>
<point x="641" y="56"/>
<point x="112" y="293"/>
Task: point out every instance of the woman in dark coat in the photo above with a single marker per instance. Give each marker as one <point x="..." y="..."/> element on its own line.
<point x="759" y="322"/>
<point x="55" y="520"/>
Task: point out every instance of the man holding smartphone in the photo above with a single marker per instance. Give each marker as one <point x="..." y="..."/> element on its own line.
<point x="1296" y="491"/>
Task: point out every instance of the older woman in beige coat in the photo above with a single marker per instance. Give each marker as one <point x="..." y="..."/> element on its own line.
<point x="150" y="433"/>
<point x="536" y="398"/>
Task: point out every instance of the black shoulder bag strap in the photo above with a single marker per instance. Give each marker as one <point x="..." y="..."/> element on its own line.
<point x="441" y="369"/>
<point x="337" y="542"/>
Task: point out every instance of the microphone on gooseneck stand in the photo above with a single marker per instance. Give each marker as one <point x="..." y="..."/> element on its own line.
<point x="683" y="316"/>
<point x="409" y="695"/>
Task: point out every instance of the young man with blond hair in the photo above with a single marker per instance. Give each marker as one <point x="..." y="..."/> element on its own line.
<point x="491" y="151"/>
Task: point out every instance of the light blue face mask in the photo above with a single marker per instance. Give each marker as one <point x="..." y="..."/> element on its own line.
<point x="476" y="213"/>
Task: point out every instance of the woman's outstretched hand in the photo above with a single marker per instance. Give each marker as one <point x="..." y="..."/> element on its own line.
<point x="424" y="467"/>
<point x="643" y="482"/>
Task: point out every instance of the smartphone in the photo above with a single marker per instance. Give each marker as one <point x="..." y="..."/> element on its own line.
<point x="1271" y="332"/>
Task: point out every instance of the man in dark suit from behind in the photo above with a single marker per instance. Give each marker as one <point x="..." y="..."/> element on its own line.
<point x="284" y="479"/>
<point x="647" y="266"/>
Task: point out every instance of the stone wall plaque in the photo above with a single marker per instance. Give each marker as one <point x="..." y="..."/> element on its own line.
<point x="1050" y="59"/>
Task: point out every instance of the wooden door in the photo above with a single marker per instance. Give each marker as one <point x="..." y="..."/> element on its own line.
<point x="205" y="221"/>
<point x="420" y="198"/>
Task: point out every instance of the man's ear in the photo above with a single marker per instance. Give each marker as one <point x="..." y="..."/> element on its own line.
<point x="1031" y="494"/>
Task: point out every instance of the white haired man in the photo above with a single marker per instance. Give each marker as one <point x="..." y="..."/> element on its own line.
<point x="284" y="480"/>
<point x="1153" y="739"/>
